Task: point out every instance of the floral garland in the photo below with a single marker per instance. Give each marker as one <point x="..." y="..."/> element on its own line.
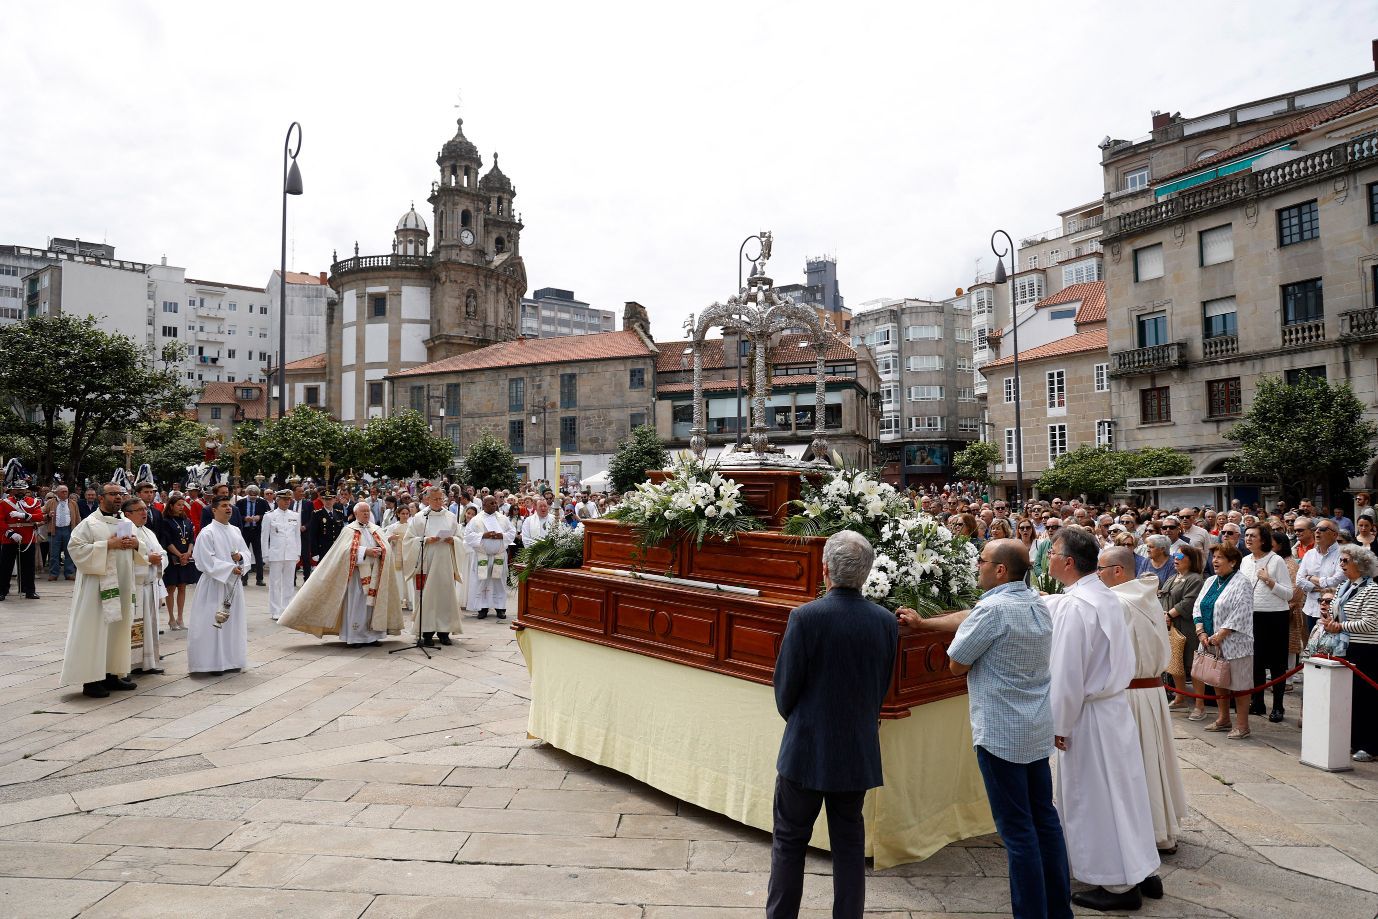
<point x="693" y="501"/>
<point x="918" y="562"/>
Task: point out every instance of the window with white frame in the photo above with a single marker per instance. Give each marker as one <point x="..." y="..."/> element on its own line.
<point x="1217" y="245"/>
<point x="919" y="362"/>
<point x="1105" y="433"/>
<point x="925" y="393"/>
<point x="1057" y="390"/>
<point x="982" y="341"/>
<point x="1009" y="389"/>
<point x="1057" y="441"/>
<point x="982" y="303"/>
<point x="924" y="423"/>
<point x="1148" y="262"/>
<point x="966" y="394"/>
<point x="887" y="366"/>
<point x="889" y="424"/>
<point x="1028" y="289"/>
<point x="889" y="395"/>
<point x="968" y="425"/>
<point x="965" y="364"/>
<point x="1136" y="180"/>
<point x="1102" y="378"/>
<point x="923" y="332"/>
<point x="881" y="336"/>
<point x="1009" y="447"/>
<point x="964" y="334"/>
<point x="1081" y="272"/>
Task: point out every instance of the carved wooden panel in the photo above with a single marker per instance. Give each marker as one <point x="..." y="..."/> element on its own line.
<point x="772" y="563"/>
<point x="652" y="617"/>
<point x="608" y="544"/>
<point x="578" y="608"/>
<point x="753" y="642"/>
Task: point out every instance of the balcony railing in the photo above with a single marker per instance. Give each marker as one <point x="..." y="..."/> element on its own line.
<point x="1152" y="359"/>
<point x="1220" y="346"/>
<point x="1240" y="186"/>
<point x="1303" y="333"/>
<point x="1076" y="225"/>
<point x="1359" y="323"/>
<point x="361" y="262"/>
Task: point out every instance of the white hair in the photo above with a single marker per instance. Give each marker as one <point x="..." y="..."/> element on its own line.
<point x="848" y="556"/>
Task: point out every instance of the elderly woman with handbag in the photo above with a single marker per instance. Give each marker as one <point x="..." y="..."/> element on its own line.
<point x="1354" y="615"/>
<point x="1224" y="617"/>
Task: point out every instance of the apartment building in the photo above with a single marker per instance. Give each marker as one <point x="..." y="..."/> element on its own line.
<point x="1239" y="245"/>
<point x="929" y="408"/>
<point x="552" y="312"/>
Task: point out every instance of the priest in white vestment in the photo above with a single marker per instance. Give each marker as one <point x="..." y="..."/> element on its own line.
<point x="1147" y="623"/>
<point x="149" y="591"/>
<point x="281" y="550"/>
<point x="536" y="525"/>
<point x="432" y="538"/>
<point x="102" y="547"/>
<point x="217" y="626"/>
<point x="352" y="591"/>
<point x="1099" y="788"/>
<point x="488" y="535"/>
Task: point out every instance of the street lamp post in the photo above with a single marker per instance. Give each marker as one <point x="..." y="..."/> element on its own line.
<point x="291" y="185"/>
<point x="762" y="241"/>
<point x="1002" y="278"/>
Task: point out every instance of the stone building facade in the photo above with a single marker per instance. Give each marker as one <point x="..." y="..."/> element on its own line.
<point x="579" y="395"/>
<point x="1251" y="250"/>
<point x="434" y="296"/>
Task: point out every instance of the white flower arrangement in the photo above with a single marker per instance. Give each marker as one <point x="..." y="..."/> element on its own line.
<point x="694" y="500"/>
<point x="919" y="563"/>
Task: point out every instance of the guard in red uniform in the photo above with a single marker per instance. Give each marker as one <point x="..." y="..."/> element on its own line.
<point x="20" y="517"/>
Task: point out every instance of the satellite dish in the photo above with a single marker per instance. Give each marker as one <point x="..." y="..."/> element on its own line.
<point x="958" y="292"/>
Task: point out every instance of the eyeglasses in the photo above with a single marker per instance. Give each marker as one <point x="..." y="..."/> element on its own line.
<point x="1024" y="528"/>
<point x="1326" y="601"/>
<point x="1171" y="526"/>
<point x="1325" y="529"/>
<point x="1104" y="567"/>
<point x="1178" y="557"/>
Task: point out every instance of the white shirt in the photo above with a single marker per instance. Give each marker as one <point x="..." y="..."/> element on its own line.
<point x="535" y="528"/>
<point x="1325" y="567"/>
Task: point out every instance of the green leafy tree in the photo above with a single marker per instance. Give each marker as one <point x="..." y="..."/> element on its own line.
<point x="1101" y="471"/>
<point x="974" y="461"/>
<point x="303" y="438"/>
<point x="169" y="443"/>
<point x="401" y="444"/>
<point x="1303" y="435"/>
<point x="490" y="464"/>
<point x="641" y="451"/>
<point x="85" y="387"/>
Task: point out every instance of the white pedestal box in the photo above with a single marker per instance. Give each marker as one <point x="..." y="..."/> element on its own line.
<point x="1327" y="699"/>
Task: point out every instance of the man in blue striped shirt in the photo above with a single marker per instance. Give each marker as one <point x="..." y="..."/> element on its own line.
<point x="1004" y="645"/>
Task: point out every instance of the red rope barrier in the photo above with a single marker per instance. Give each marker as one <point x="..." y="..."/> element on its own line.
<point x="1242" y="692"/>
<point x="1357" y="672"/>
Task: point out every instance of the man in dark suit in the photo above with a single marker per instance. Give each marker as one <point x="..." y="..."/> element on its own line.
<point x="87" y="503"/>
<point x="218" y="491"/>
<point x="305" y="510"/>
<point x="831" y="677"/>
<point x="326" y="525"/>
<point x="251" y="509"/>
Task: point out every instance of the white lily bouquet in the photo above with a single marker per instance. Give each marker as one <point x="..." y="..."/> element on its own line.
<point x="918" y="563"/>
<point x="695" y="500"/>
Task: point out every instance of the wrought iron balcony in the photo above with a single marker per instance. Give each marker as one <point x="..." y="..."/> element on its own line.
<point x="1359" y="323"/>
<point x="1153" y="359"/>
<point x="362" y="262"/>
<point x="1343" y="157"/>
<point x="1298" y="334"/>
<point x="1220" y="346"/>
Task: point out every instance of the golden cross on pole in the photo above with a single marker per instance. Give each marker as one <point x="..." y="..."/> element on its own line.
<point x="236" y="450"/>
<point x="127" y="448"/>
<point x="327" y="464"/>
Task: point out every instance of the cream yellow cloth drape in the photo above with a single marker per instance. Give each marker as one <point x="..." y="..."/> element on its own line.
<point x="712" y="740"/>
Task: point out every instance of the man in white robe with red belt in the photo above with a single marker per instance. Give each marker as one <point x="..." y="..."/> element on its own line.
<point x="217" y="627"/>
<point x="1099" y="788"/>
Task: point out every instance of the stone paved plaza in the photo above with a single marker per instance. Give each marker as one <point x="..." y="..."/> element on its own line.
<point x="330" y="782"/>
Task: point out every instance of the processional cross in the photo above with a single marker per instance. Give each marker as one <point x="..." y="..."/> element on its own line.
<point x="328" y="465"/>
<point x="236" y="450"/>
<point x="128" y="449"/>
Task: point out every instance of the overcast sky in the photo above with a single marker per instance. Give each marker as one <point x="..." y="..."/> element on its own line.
<point x="645" y="140"/>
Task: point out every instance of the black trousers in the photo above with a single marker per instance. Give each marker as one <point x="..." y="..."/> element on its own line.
<point x="796" y="810"/>
<point x="11" y="551"/>
<point x="253" y="538"/>
<point x="1363" y="724"/>
<point x="1271" y="631"/>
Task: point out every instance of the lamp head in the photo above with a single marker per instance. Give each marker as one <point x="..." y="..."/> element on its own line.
<point x="293" y="186"/>
<point x="1000" y="276"/>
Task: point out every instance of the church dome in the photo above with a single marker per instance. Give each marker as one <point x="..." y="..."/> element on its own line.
<point x="411" y="220"/>
<point x="494" y="181"/>
<point x="459" y="146"/>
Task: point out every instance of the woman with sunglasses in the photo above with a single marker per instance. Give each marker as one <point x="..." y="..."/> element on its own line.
<point x="1178" y="595"/>
<point x="1044" y="547"/>
<point x="1355" y="612"/>
<point x="1026" y="534"/>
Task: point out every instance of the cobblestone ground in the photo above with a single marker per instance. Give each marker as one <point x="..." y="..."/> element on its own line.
<point x="330" y="782"/>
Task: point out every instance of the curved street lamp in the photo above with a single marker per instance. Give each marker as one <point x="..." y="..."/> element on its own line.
<point x="291" y="185"/>
<point x="1002" y="278"/>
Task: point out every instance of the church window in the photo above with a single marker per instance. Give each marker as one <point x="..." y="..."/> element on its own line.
<point x="454" y="171"/>
<point x="440" y="225"/>
<point x="499" y="245"/>
<point x="375" y="394"/>
<point x="465" y="218"/>
<point x="499" y="207"/>
<point x="380" y="307"/>
<point x="312" y="395"/>
<point x="417" y="395"/>
<point x="569" y="390"/>
<point x="569" y="433"/>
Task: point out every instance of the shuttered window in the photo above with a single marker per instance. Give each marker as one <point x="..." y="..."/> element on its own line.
<point x="1217" y="245"/>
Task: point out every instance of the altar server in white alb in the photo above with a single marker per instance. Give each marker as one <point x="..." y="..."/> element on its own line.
<point x="1143" y="615"/>
<point x="149" y="591"/>
<point x="488" y="535"/>
<point x="281" y="550"/>
<point x="1100" y="789"/>
<point x="102" y="547"/>
<point x="217" y="627"/>
<point x="432" y="539"/>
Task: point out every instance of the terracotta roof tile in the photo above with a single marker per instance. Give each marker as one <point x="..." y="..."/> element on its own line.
<point x="1090" y="340"/>
<point x="314" y="362"/>
<point x="525" y="351"/>
<point x="1091" y="295"/>
<point x="1307" y="121"/>
<point x="223" y="393"/>
<point x="298" y="277"/>
<point x="776" y="383"/>
<point x="790" y="350"/>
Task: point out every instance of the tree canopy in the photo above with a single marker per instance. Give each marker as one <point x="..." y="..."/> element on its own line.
<point x="1101" y="471"/>
<point x="302" y="439"/>
<point x="1303" y="434"/>
<point x="401" y="444"/>
<point x="169" y="443"/>
<point x="641" y="451"/>
<point x="489" y="463"/>
<point x="974" y="461"/>
<point x="84" y="386"/>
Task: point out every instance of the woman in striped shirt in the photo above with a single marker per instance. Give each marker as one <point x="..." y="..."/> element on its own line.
<point x="1355" y="612"/>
